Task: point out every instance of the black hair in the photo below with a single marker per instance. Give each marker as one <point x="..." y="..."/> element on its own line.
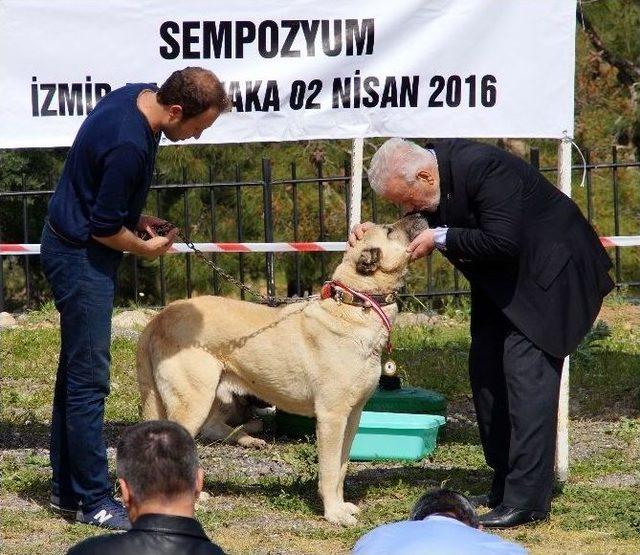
<point x="157" y="458"/>
<point x="196" y="90"/>
<point x="447" y="502"/>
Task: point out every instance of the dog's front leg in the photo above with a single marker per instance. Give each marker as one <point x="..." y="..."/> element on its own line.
<point x="330" y="431"/>
<point x="350" y="432"/>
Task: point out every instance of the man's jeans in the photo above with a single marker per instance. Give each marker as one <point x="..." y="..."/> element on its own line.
<point x="83" y="284"/>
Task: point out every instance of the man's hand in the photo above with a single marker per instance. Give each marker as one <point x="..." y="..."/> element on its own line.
<point x="149" y="221"/>
<point x="422" y="245"/>
<point x="158" y="244"/>
<point x="126" y="240"/>
<point x="358" y="231"/>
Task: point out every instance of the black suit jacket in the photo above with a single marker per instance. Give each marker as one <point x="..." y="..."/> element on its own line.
<point x="521" y="242"/>
<point x="152" y="534"/>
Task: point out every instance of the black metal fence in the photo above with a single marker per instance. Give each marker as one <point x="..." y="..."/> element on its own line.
<point x="272" y="209"/>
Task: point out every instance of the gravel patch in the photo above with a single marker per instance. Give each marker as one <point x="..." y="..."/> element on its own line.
<point x="618" y="480"/>
<point x="590" y="437"/>
<point x="13" y="502"/>
<point x="7" y="321"/>
<point x="133" y="319"/>
<point x="461" y="414"/>
<point x="125" y="333"/>
<point x="224" y="461"/>
<point x="416" y="319"/>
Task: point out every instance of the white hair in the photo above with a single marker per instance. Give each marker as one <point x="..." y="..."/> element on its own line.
<point x="396" y="158"/>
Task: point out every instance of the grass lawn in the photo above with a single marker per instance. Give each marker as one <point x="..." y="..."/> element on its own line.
<point x="266" y="501"/>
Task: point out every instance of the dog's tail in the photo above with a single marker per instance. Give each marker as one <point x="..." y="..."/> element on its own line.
<point x="151" y="405"/>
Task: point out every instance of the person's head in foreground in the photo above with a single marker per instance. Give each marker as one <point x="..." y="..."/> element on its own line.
<point x="445" y="502"/>
<point x="442" y="522"/>
<point x="158" y="469"/>
<point x="160" y="479"/>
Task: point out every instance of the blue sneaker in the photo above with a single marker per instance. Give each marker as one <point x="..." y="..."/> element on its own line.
<point x="108" y="514"/>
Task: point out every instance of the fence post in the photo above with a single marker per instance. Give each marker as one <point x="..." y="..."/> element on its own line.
<point x="163" y="282"/>
<point x="187" y="231"/>
<point x="1" y="280"/>
<point x="25" y="237"/>
<point x="267" y="202"/>
<point x="562" y="440"/>
<point x="296" y="224"/>
<point x="616" y="210"/>
<point x="587" y="159"/>
<point x="239" y="228"/>
<point x="355" y="193"/>
<point x="321" y="235"/>
<point x="214" y="231"/>
<point x="534" y="157"/>
<point x="1" y="277"/>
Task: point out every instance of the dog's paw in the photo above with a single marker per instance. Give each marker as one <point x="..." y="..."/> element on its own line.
<point x="252" y="442"/>
<point x="341" y="514"/>
<point x="353" y="509"/>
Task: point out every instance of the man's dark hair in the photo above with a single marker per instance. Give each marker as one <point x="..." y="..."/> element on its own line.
<point x="196" y="90"/>
<point x="157" y="458"/>
<point x="445" y="502"/>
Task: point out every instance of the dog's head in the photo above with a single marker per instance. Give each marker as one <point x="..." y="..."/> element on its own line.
<point x="379" y="261"/>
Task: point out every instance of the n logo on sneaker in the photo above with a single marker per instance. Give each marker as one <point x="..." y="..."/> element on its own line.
<point x="102" y="516"/>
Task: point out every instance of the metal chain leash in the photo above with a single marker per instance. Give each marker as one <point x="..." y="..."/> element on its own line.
<point x="267" y="299"/>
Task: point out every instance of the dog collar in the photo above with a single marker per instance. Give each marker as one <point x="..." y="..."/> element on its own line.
<point x="344" y="294"/>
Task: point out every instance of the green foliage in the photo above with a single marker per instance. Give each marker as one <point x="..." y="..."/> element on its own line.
<point x="434" y="357"/>
<point x="618" y="23"/>
<point x="592" y="343"/>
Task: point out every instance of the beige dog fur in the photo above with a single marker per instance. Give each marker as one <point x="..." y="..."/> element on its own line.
<point x="317" y="358"/>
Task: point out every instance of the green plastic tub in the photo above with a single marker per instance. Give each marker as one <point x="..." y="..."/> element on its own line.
<point x="395" y="436"/>
<point x="415" y="400"/>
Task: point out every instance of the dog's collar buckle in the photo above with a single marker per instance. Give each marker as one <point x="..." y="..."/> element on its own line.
<point x="344" y="294"/>
<point x="341" y="294"/>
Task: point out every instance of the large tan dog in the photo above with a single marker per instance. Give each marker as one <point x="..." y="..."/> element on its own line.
<point x="318" y="358"/>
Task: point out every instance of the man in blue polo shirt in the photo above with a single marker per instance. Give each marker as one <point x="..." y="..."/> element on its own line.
<point x="442" y="522"/>
<point x="93" y="217"/>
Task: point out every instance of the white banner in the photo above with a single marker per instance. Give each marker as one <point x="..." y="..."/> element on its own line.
<point x="298" y="70"/>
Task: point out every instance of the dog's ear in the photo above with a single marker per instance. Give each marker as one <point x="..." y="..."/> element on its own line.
<point x="368" y="262"/>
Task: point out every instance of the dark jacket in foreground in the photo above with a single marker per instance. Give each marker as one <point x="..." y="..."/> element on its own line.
<point x="152" y="535"/>
<point x="521" y="242"/>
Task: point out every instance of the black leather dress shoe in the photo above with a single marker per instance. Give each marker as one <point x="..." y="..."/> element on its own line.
<point x="508" y="517"/>
<point x="485" y="500"/>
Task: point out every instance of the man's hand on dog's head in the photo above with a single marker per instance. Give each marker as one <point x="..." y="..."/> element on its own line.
<point x="358" y="232"/>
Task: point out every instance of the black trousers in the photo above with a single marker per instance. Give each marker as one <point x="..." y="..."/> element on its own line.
<point x="515" y="391"/>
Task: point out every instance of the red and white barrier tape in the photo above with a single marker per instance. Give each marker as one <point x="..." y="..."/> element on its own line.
<point x="326" y="246"/>
<point x="621" y="241"/>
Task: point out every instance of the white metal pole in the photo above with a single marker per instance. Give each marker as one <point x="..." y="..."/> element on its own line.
<point x="355" y="198"/>
<point x="562" y="442"/>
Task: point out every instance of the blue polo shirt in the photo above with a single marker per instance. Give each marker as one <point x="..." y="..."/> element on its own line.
<point x="435" y="535"/>
<point x="108" y="171"/>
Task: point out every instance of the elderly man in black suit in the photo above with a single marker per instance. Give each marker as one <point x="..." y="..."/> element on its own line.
<point x="538" y="274"/>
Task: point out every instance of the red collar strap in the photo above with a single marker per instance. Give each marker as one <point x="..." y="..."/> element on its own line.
<point x="344" y="294"/>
